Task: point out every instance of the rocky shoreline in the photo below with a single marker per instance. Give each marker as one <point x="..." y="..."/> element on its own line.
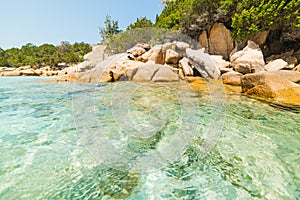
<point x="28" y="71"/>
<point x="277" y="81"/>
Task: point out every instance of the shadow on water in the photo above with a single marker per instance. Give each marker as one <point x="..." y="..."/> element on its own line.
<point x="295" y="108"/>
<point x="101" y="182"/>
<point x="286" y="107"/>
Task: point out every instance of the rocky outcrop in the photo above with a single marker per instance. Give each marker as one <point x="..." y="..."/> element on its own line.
<point x="100" y="73"/>
<point x="280" y="86"/>
<point x="221" y="64"/>
<point x="97" y="54"/>
<point x="232" y="78"/>
<point x="173" y="61"/>
<point x="51" y="73"/>
<point x="81" y="67"/>
<point x="276" y="65"/>
<point x="248" y="60"/>
<point x="141" y="65"/>
<point x="220" y="41"/>
<point x="120" y="68"/>
<point x="180" y="47"/>
<point x="203" y="63"/>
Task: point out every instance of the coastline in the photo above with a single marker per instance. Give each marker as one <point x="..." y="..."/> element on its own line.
<point x="173" y="62"/>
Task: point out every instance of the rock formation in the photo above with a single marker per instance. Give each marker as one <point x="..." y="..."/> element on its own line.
<point x="161" y="63"/>
<point x="220" y="41"/>
<point x="248" y="60"/>
<point x="232" y="78"/>
<point x="203" y="63"/>
<point x="280" y="86"/>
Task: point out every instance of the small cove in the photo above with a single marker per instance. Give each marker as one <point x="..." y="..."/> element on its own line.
<point x="45" y="154"/>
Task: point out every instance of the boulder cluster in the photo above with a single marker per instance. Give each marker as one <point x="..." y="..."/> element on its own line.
<point x="174" y="61"/>
<point x="278" y="80"/>
<point x="275" y="78"/>
<point x="167" y="62"/>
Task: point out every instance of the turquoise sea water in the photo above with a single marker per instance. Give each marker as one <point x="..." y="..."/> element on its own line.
<point x="143" y="141"/>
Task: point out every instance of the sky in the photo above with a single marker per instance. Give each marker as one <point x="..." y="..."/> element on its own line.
<point x="53" y="21"/>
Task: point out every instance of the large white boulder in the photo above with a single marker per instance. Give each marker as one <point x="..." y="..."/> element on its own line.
<point x="248" y="60"/>
<point x="203" y="63"/>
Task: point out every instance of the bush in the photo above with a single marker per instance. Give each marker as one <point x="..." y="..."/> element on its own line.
<point x="123" y="41"/>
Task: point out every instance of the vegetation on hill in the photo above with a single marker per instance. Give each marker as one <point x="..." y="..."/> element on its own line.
<point x="142" y="22"/>
<point x="243" y="17"/>
<point x="44" y="55"/>
<point x="118" y="41"/>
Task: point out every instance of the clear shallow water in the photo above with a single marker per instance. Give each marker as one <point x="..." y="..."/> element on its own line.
<point x="66" y="141"/>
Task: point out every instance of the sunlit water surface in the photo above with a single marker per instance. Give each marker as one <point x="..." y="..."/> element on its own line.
<point x="49" y="151"/>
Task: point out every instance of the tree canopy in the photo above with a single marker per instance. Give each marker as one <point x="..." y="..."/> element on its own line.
<point x="244" y="17"/>
<point x="265" y="15"/>
<point x="140" y="23"/>
<point x="46" y="54"/>
<point x="111" y="27"/>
